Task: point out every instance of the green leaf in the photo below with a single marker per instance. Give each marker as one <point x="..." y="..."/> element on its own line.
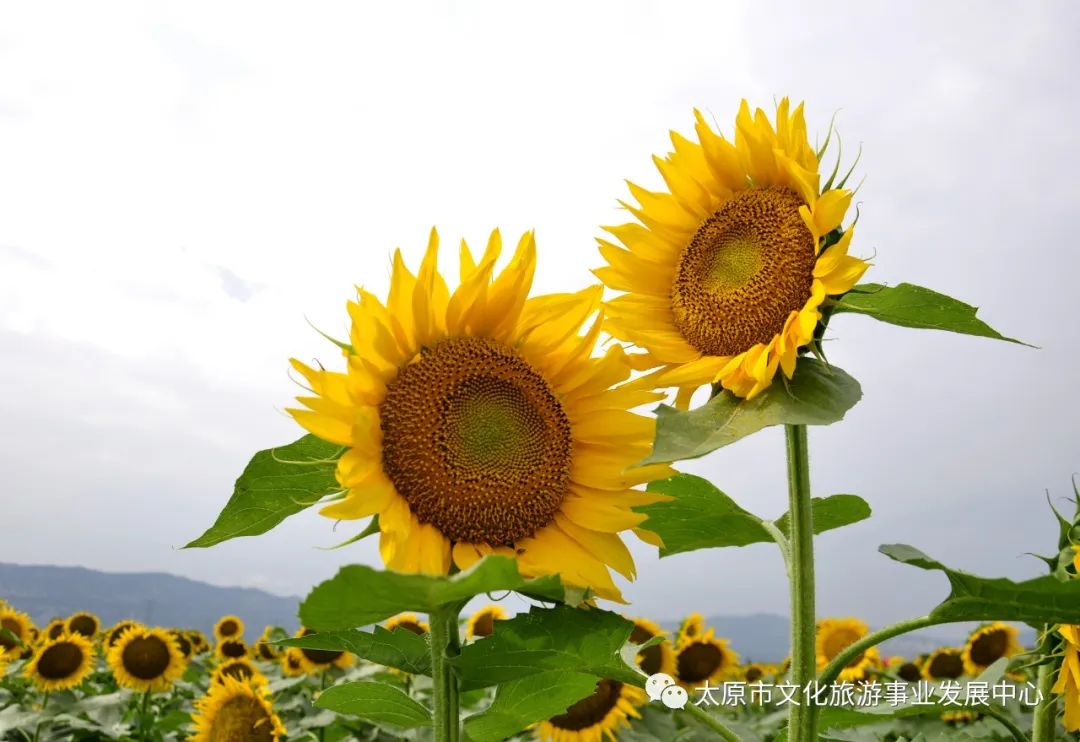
<point x="816" y="395"/>
<point x="375" y="702"/>
<point x="400" y="649"/>
<point x="360" y="595"/>
<point x="549" y="640"/>
<point x="834" y="511"/>
<point x="526" y="701"/>
<point x="276" y="483"/>
<point x="1041" y="600"/>
<point x="700" y="516"/>
<point x="908" y="305"/>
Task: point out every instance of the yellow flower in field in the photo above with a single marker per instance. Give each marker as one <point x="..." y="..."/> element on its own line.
<point x="198" y="641"/>
<point x="482" y="623"/>
<point x="292" y="662"/>
<point x="182" y="642"/>
<point x="19" y="624"/>
<point x="232" y="711"/>
<point x="479" y="422"/>
<point x="834" y="635"/>
<point x="755" y="673"/>
<point x="988" y="644"/>
<point x="597" y="717"/>
<point x="910" y="671"/>
<point x="242" y="670"/>
<point x="407" y="621"/>
<point x="84" y="623"/>
<point x="54" y="628"/>
<point x="946" y="663"/>
<point x="229" y="627"/>
<point x="264" y="650"/>
<point x="657" y="658"/>
<point x="704" y="658"/>
<point x="1068" y="679"/>
<point x="726" y="273"/>
<point x="231" y="649"/>
<point x="314" y="661"/>
<point x="146" y="660"/>
<point x="61" y="663"/>
<point x="114" y="633"/>
<point x="692" y="627"/>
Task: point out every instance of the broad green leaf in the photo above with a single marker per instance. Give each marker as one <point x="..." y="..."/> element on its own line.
<point x="276" y="483"/>
<point x="908" y="305"/>
<point x="549" y="640"/>
<point x="360" y="595"/>
<point x="375" y="702"/>
<point x="527" y="700"/>
<point x="1041" y="600"/>
<point x="816" y="395"/>
<point x="401" y="649"/>
<point x="700" y="516"/>
<point x="834" y="511"/>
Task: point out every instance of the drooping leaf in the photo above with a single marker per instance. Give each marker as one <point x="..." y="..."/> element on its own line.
<point x="400" y="649"/>
<point x="908" y="305"/>
<point x="1041" y="600"/>
<point x="360" y="595"/>
<point x="700" y="516"/>
<point x="816" y="395"/>
<point x="549" y="640"/>
<point x="276" y="483"/>
<point x="375" y="702"/>
<point x="519" y="703"/>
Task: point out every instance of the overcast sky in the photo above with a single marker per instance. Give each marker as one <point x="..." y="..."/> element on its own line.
<point x="182" y="184"/>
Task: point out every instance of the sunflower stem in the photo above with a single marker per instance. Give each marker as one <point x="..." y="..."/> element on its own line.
<point x="143" y="716"/>
<point x="1044" y="723"/>
<point x="801" y="578"/>
<point x="1003" y="719"/>
<point x="711" y="721"/>
<point x="444" y="645"/>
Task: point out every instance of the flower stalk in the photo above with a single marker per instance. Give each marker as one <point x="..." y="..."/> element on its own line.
<point x="445" y="643"/>
<point x="801" y="577"/>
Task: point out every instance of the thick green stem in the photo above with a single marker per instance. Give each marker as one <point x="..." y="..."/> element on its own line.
<point x="143" y="716"/>
<point x="445" y="644"/>
<point x="839" y="662"/>
<point x="1044" y="723"/>
<point x="711" y="721"/>
<point x="1002" y="717"/>
<point x="801" y="574"/>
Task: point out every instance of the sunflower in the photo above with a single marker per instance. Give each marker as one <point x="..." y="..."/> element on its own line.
<point x="264" y="649"/>
<point x="754" y="673"/>
<point x="54" y="628"/>
<point x="314" y="661"/>
<point x="231" y="649"/>
<point x="198" y="641"/>
<point x="1068" y="679"/>
<point x="705" y="658"/>
<point x="242" y="669"/>
<point x="834" y="635"/>
<point x="61" y="663"/>
<point x="407" y="621"/>
<point x="19" y="625"/>
<point x="482" y="623"/>
<point x="232" y="710"/>
<point x="910" y="671"/>
<point x="292" y="662"/>
<point x="229" y="627"/>
<point x="596" y="717"/>
<point x="946" y="663"/>
<point x="182" y="642"/>
<point x="959" y="717"/>
<point x="989" y="643"/>
<point x="480" y="422"/>
<point x="117" y="630"/>
<point x="691" y="627"/>
<point x="146" y="660"/>
<point x="31" y="643"/>
<point x="84" y="623"/>
<point x="657" y="658"/>
<point x="725" y="275"/>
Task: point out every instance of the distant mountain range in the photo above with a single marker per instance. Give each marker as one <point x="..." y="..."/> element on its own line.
<point x="157" y="598"/>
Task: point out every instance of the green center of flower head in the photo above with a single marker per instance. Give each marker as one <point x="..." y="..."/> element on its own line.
<point x="745" y="270"/>
<point x="477" y="443"/>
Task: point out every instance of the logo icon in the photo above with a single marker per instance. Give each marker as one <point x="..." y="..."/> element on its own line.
<point x="662" y="687"/>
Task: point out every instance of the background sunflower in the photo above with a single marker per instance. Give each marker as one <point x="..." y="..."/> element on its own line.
<point x="61" y="663"/>
<point x="598" y="716"/>
<point x="146" y="660"/>
<point x="232" y="710"/>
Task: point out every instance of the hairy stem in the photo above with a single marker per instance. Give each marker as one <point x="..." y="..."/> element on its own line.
<point x="711" y="721"/>
<point x="801" y="577"/>
<point x="445" y="644"/>
<point x="1044" y="723"/>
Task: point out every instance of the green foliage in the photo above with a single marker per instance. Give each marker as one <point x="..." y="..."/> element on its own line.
<point x="1042" y="600"/>
<point x="700" y="516"/>
<point x="527" y="700"/>
<point x="908" y="305"/>
<point x="816" y="395"/>
<point x="400" y="649"/>
<point x="276" y="483"/>
<point x="375" y="702"/>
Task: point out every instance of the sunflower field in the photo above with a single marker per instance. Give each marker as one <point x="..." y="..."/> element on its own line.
<point x="495" y="440"/>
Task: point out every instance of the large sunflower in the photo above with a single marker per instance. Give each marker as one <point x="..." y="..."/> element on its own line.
<point x="657" y="658"/>
<point x="19" y="625"/>
<point x="482" y="623"/>
<point x="479" y="422"/>
<point x="596" y="717"/>
<point x="726" y="273"/>
<point x="987" y="644"/>
<point x="146" y="660"/>
<point x="232" y="710"/>
<point x="229" y="627"/>
<point x="61" y="663"/>
<point x="84" y="623"/>
<point x="705" y="658"/>
<point x="946" y="663"/>
<point x="834" y="635"/>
